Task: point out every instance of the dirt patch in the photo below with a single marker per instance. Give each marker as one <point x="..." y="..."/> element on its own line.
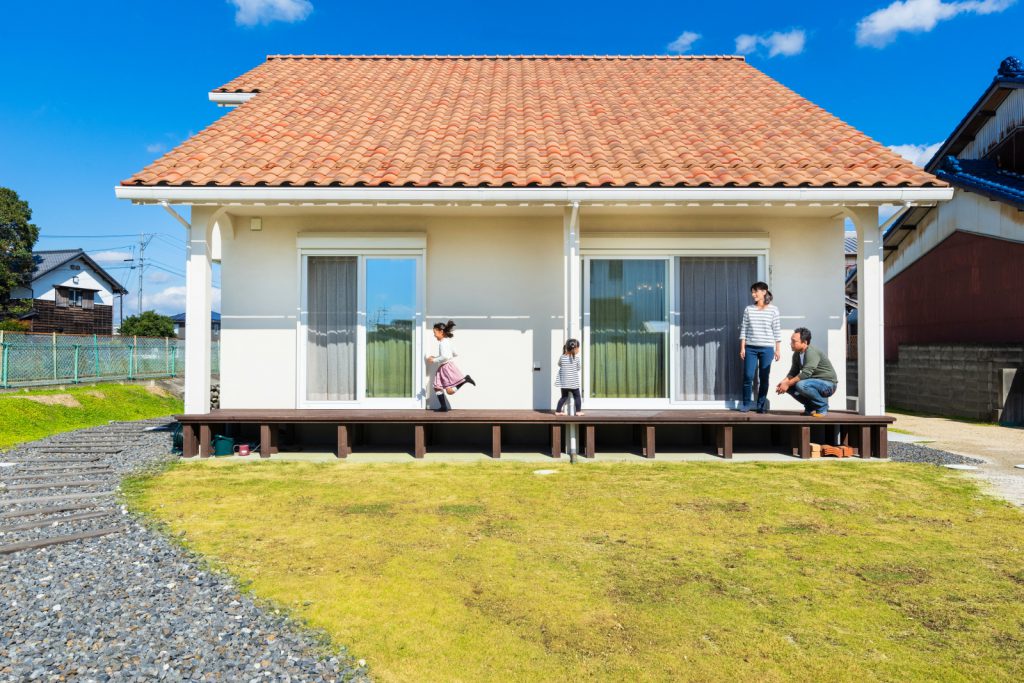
<point x="95" y="394"/>
<point x="66" y="400"/>
<point x="157" y="391"/>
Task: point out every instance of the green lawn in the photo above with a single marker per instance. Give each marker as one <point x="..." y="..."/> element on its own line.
<point x="624" y="572"/>
<point x="22" y="419"/>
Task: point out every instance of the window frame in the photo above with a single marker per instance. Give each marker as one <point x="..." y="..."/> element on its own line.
<point x="418" y="370"/>
<point x="671" y="255"/>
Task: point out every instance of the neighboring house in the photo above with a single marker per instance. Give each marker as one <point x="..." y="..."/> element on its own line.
<point x="179" y="325"/>
<point x="626" y="201"/>
<point x="70" y="293"/>
<point x="954" y="310"/>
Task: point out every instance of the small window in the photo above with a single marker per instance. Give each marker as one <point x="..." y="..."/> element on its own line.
<point x="1009" y="154"/>
<point x="75" y="298"/>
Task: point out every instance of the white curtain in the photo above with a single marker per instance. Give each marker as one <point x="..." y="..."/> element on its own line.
<point x="332" y="287"/>
<point x="713" y="292"/>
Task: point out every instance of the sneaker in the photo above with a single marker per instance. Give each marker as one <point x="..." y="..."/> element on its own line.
<point x="745" y="408"/>
<point x="807" y="413"/>
<point x="470" y="380"/>
<point x="763" y="406"/>
<point x="819" y="413"/>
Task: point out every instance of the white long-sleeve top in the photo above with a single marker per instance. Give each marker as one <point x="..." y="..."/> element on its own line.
<point x="761" y="326"/>
<point x="445" y="351"/>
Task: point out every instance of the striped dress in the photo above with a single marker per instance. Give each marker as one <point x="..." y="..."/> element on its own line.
<point x="761" y="327"/>
<point x="568" y="372"/>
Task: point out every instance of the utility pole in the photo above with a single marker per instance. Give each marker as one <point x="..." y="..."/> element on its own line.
<point x="144" y="240"/>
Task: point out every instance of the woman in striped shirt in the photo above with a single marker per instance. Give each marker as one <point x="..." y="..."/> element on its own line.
<point x="759" y="332"/>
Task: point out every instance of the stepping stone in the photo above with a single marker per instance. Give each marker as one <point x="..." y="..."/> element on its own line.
<point x="44" y="542"/>
<point x="965" y="468"/>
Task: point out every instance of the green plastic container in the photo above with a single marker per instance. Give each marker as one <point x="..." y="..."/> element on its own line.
<point x="222" y="445"/>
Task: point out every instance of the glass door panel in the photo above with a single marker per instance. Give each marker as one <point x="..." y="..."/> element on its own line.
<point x="390" y="316"/>
<point x="332" y="328"/>
<point x="628" y="328"/>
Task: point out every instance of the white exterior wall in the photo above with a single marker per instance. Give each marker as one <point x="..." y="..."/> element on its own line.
<point x="43" y="288"/>
<point x="1009" y="115"/>
<point x="966" y="212"/>
<point x="500" y="277"/>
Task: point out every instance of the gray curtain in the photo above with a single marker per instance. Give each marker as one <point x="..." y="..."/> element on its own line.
<point x="331" y="341"/>
<point x="713" y="292"/>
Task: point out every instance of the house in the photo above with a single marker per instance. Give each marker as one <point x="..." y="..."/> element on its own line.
<point x="352" y="201"/>
<point x="954" y="314"/>
<point x="70" y="293"/>
<point x="179" y="325"/>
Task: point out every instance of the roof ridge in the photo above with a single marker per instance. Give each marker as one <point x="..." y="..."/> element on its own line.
<point x="54" y="251"/>
<point x="739" y="58"/>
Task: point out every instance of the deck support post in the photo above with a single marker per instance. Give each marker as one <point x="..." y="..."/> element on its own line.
<point x="588" y="439"/>
<point x="723" y="441"/>
<point x="495" y="441"/>
<point x="266" y="440"/>
<point x="864" y="441"/>
<point x="648" y="441"/>
<point x="802" y="442"/>
<point x="343" y="442"/>
<point x="556" y="441"/>
<point x="189" y="443"/>
<point x="880" y="441"/>
<point x="420" y="442"/>
<point x="204" y="440"/>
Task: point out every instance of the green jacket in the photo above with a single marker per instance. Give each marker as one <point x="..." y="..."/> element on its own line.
<point x="816" y="366"/>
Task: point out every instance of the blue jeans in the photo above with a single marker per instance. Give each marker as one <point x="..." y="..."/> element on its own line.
<point x="758" y="358"/>
<point x="813" y="393"/>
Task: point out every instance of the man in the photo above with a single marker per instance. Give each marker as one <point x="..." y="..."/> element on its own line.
<point x="812" y="379"/>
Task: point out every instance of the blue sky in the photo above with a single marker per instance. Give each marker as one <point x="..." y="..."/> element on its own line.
<point x="93" y="91"/>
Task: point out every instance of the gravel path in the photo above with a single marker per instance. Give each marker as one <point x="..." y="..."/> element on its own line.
<point x="910" y="452"/>
<point x="128" y="606"/>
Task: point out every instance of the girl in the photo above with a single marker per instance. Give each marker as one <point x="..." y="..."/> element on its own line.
<point x="569" y="377"/>
<point x="448" y="378"/>
<point x="759" y="331"/>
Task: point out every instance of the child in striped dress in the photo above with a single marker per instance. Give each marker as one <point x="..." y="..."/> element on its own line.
<point x="448" y="379"/>
<point x="759" y="332"/>
<point x="568" y="379"/>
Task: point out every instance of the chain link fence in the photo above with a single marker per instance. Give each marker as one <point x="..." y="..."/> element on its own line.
<point x="28" y="359"/>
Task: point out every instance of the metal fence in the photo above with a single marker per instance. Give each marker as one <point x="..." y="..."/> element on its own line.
<point x="28" y="359"/>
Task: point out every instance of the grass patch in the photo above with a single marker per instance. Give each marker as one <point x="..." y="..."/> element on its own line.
<point x="484" y="572"/>
<point x="22" y="419"/>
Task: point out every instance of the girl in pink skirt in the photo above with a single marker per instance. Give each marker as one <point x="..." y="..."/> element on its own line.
<point x="448" y="378"/>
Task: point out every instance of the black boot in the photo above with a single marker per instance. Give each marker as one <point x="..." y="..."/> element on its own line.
<point x="470" y="380"/>
<point x="442" y="403"/>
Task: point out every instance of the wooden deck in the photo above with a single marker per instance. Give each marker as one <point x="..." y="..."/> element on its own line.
<point x="868" y="435"/>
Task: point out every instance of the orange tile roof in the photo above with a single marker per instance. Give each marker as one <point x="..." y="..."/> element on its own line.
<point x="520" y="121"/>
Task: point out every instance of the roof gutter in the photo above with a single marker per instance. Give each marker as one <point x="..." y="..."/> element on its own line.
<point x="730" y="196"/>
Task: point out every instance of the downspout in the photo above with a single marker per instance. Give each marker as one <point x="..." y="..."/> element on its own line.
<point x="572" y="429"/>
<point x="175" y="215"/>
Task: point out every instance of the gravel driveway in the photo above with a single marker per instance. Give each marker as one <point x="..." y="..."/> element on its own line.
<point x="127" y="605"/>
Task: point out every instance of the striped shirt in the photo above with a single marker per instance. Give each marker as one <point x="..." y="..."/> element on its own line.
<point x="761" y="327"/>
<point x="568" y="372"/>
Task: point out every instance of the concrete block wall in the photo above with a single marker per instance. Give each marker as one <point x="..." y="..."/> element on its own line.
<point x="957" y="380"/>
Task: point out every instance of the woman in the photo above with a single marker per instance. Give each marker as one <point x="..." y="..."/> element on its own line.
<point x="759" y="332"/>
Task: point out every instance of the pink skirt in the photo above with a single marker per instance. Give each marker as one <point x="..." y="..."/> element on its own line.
<point x="448" y="375"/>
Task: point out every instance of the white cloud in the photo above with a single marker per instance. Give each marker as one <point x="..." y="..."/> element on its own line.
<point x="253" y="12"/>
<point x="168" y="301"/>
<point x="158" y="276"/>
<point x="110" y="256"/>
<point x="684" y="42"/>
<point x="156" y="148"/>
<point x="787" y="44"/>
<point x="919" y="155"/>
<point x="881" y="27"/>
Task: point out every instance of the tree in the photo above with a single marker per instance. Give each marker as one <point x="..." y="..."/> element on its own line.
<point x="148" y="324"/>
<point x="17" y="237"/>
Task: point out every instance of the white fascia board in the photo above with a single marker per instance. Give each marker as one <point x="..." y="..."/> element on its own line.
<point x="231" y="99"/>
<point x="531" y="195"/>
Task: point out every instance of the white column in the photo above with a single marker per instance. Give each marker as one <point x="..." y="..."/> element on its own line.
<point x="198" y="306"/>
<point x="870" y="312"/>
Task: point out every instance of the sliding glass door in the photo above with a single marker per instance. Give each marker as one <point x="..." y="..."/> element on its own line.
<point x="362" y="325"/>
<point x="628" y="315"/>
<point x="664" y="330"/>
